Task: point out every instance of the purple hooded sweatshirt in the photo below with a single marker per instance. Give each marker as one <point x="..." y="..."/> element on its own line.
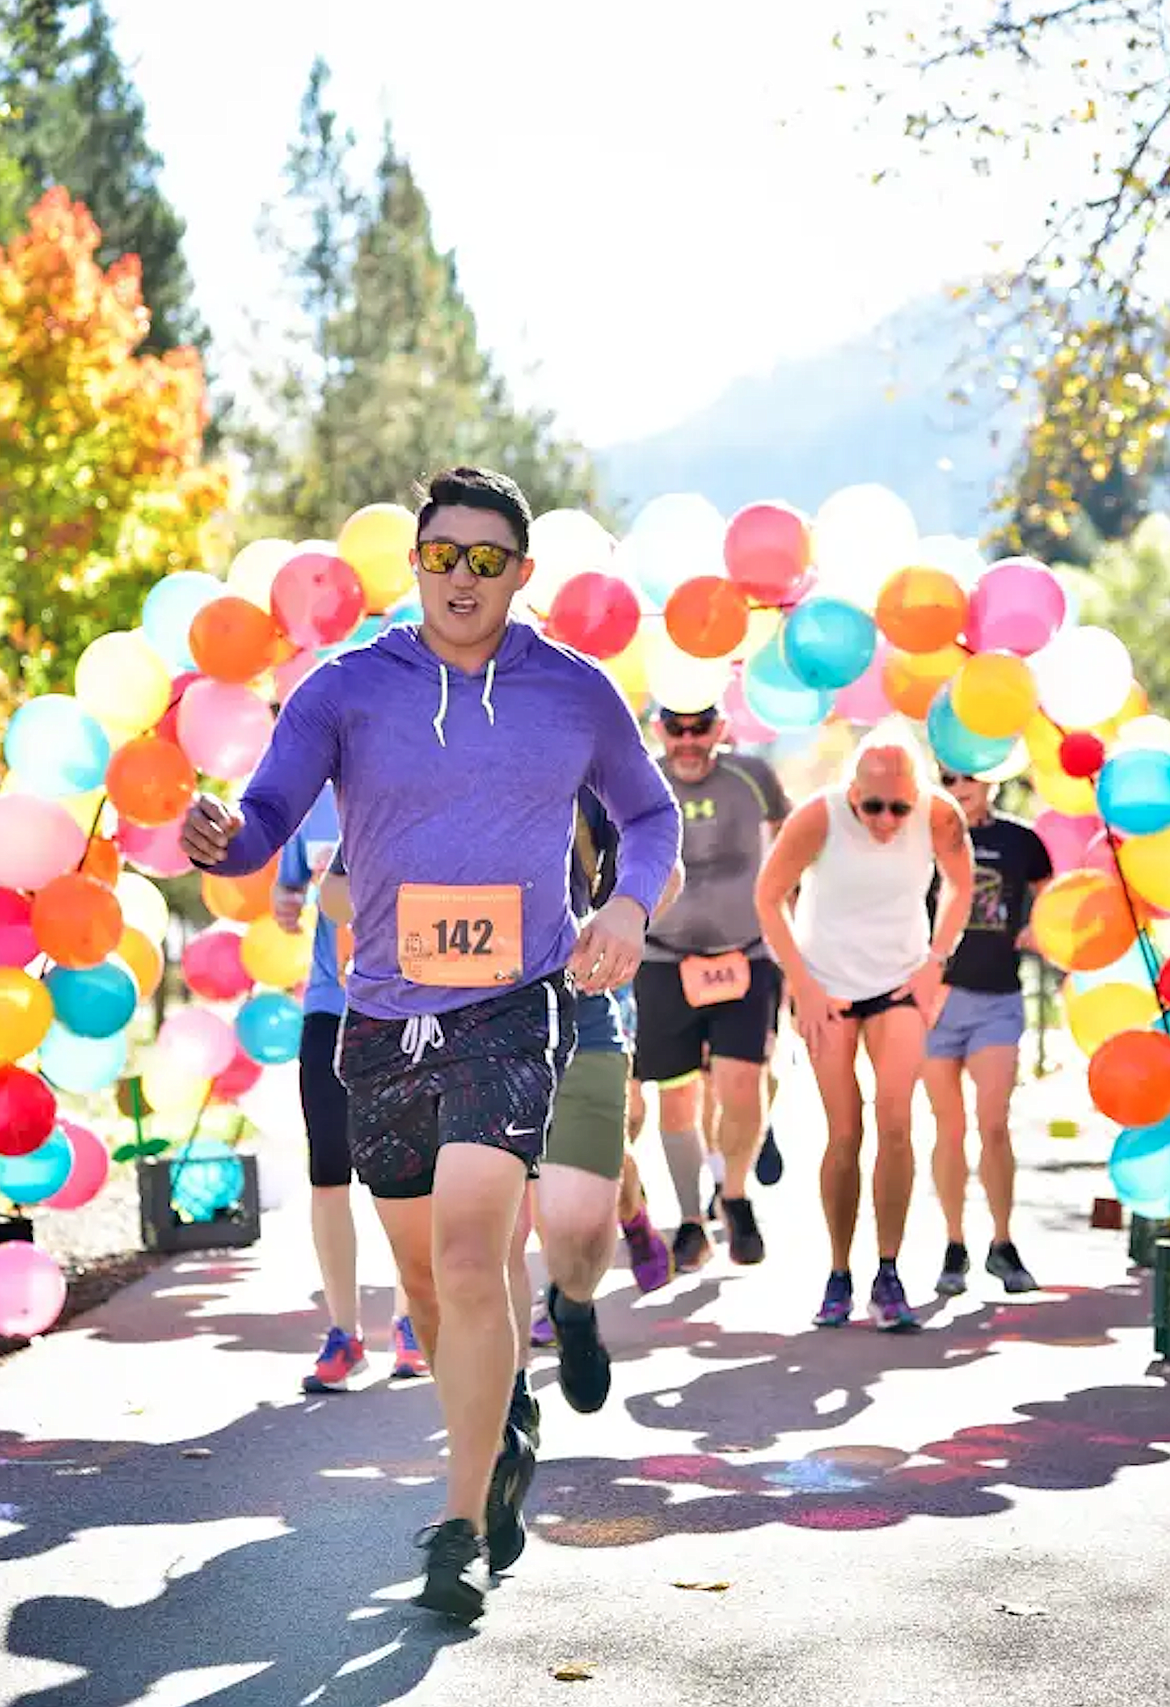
<point x="447" y="778"/>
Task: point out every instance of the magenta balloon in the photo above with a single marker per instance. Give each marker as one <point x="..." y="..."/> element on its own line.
<point x="745" y="725"/>
<point x="223" y="729"/>
<point x="38" y="841"/>
<point x="213" y="967"/>
<point x="200" y="1043"/>
<point x="18" y="945"/>
<point x="1066" y="838"/>
<point x="90" y="1170"/>
<point x="1016" y="606"/>
<point x="865" y="700"/>
<point x="155" y="852"/>
<point x="32" y="1290"/>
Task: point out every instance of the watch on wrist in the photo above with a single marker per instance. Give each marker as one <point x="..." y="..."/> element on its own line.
<point x="936" y="955"/>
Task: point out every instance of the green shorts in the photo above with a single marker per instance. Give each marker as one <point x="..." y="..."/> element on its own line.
<point x="589" y="1116"/>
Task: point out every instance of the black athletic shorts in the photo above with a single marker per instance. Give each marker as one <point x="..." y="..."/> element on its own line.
<point x="484" y="1074"/>
<point x="324" y="1101"/>
<point x="674" y="1038"/>
<point x="869" y="1007"/>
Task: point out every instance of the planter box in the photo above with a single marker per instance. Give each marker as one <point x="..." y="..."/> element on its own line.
<point x="1143" y="1239"/>
<point x="16" y="1227"/>
<point x="162" y="1230"/>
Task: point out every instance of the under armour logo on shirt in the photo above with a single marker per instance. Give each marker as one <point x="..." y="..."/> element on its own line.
<point x="693" y="809"/>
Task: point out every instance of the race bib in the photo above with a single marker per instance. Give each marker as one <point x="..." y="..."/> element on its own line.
<point x="465" y="938"/>
<point x="707" y="979"/>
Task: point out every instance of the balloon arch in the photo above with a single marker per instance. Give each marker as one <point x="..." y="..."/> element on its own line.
<point x="794" y="623"/>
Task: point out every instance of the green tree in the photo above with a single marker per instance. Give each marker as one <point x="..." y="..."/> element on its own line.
<point x="1128" y="591"/>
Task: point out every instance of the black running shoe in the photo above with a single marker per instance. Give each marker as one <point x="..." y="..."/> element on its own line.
<point x="507" y="1534"/>
<point x="1004" y="1262"/>
<point x="584" y="1361"/>
<point x="457" y="1570"/>
<point x="524" y="1413"/>
<point x="745" y="1243"/>
<point x="769" y="1162"/>
<point x="692" y="1248"/>
<point x="956" y="1264"/>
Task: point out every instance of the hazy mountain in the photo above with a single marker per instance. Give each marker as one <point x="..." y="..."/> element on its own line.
<point x="874" y="408"/>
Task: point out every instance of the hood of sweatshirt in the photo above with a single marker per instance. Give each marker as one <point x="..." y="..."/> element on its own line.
<point x="405" y="644"/>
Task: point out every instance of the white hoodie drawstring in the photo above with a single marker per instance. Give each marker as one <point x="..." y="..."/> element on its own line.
<point x="441" y="714"/>
<point x="440" y="717"/>
<point x="486" y="700"/>
<point x="420" y="1033"/>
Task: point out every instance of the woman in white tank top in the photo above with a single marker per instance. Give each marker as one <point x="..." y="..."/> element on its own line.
<point x="861" y="963"/>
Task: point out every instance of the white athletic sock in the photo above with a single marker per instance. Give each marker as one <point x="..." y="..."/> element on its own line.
<point x="716" y="1167"/>
<point x="684" y="1158"/>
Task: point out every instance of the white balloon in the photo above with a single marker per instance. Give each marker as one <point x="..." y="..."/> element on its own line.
<point x="672" y="539"/>
<point x="564" y="543"/>
<point x="680" y="682"/>
<point x="1150" y="733"/>
<point x="861" y="536"/>
<point x="1083" y="677"/>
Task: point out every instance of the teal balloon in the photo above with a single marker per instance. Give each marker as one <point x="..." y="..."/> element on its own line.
<point x="1140" y="964"/>
<point x="778" y="697"/>
<point x="206" y="1176"/>
<point x="828" y="643"/>
<point x="96" y="1001"/>
<point x="172" y="605"/>
<point x="1140" y="1169"/>
<point x="33" y="1177"/>
<point x="407" y="610"/>
<point x="74" y="1063"/>
<point x="56" y="748"/>
<point x="958" y="748"/>
<point x="269" y="1028"/>
<point x="1133" y="791"/>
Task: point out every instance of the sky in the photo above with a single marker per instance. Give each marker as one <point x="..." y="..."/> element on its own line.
<point x="646" y="200"/>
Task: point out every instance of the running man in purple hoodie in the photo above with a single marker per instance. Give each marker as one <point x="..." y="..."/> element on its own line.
<point x="456" y="751"/>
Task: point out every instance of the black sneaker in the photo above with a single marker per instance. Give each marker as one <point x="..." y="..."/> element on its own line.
<point x="955" y="1268"/>
<point x="1003" y="1261"/>
<point x="457" y="1570"/>
<point x="769" y="1162"/>
<point x="507" y="1534"/>
<point x="584" y="1361"/>
<point x="524" y="1414"/>
<point x="745" y="1243"/>
<point x="692" y="1248"/>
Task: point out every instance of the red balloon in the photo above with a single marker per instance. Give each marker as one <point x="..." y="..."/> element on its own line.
<point x="18" y="945"/>
<point x="240" y="1074"/>
<point x="28" y="1111"/>
<point x="317" y="599"/>
<point x="766" y="550"/>
<point x="212" y="965"/>
<point x="1082" y="753"/>
<point x="167" y="726"/>
<point x="595" y="613"/>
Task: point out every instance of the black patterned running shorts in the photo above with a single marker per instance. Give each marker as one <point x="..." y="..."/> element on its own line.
<point x="484" y="1074"/>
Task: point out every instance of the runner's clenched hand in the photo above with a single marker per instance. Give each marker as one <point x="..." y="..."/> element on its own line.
<point x="208" y="827"/>
<point x="609" y="949"/>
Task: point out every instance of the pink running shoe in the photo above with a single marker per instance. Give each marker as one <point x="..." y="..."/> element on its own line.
<point x="650" y="1259"/>
<point x="542" y="1334"/>
<point x="409" y="1360"/>
<point x="341" y="1356"/>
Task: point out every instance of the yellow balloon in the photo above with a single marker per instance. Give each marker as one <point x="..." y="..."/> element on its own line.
<point x="171" y="1093"/>
<point x="628" y="672"/>
<point x="376" y="542"/>
<point x="256" y="567"/>
<point x="763" y="625"/>
<point x="26" y="1013"/>
<point x="277" y="957"/>
<point x="84" y="808"/>
<point x="1096" y="1015"/>
<point x="1072" y="795"/>
<point x="994" y="694"/>
<point x="1145" y="865"/>
<point x="144" y="906"/>
<point x="121" y="679"/>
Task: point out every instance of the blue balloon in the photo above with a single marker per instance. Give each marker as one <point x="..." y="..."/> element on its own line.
<point x="778" y="697"/>
<point x="171" y="606"/>
<point x="958" y="748"/>
<point x="829" y="643"/>
<point x="1133" y="791"/>
<point x="94" y="1002"/>
<point x="73" y="1063"/>
<point x="1140" y="964"/>
<point x="407" y="610"/>
<point x="368" y="629"/>
<point x="206" y="1175"/>
<point x="33" y="1177"/>
<point x="269" y="1028"/>
<point x="1140" y="1168"/>
<point x="56" y="748"/>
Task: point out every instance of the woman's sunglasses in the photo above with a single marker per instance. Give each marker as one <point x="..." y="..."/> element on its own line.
<point x="950" y="778"/>
<point x="440" y="557"/>
<point x="677" y="727"/>
<point x="873" y="807"/>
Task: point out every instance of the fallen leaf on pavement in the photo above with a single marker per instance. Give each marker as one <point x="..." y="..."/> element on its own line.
<point x="196" y="1452"/>
<point x="574" y="1673"/>
<point x="1016" y="1609"/>
<point x="705" y="1588"/>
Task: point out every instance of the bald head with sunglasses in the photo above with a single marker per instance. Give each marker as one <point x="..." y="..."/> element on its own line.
<point x="885" y="790"/>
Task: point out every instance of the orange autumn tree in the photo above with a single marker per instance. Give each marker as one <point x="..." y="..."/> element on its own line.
<point x="102" y="484"/>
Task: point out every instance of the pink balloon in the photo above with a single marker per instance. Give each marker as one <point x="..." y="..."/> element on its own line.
<point x="91" y="1167"/>
<point x="156" y="852"/>
<point x="1099" y="854"/>
<point x="1067" y="839"/>
<point x="38" y="841"/>
<point x="168" y="724"/>
<point x="317" y="599"/>
<point x="1017" y="606"/>
<point x="200" y="1043"/>
<point x="32" y="1290"/>
<point x="213" y="967"/>
<point x="292" y="673"/>
<point x="865" y="700"/>
<point x="18" y="945"/>
<point x="223" y="729"/>
<point x="745" y="725"/>
<point x="240" y="1074"/>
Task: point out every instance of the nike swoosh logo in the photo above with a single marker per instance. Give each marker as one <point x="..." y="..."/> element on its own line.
<point x="511" y="1131"/>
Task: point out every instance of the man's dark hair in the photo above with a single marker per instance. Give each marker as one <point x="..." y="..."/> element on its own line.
<point x="478" y="489"/>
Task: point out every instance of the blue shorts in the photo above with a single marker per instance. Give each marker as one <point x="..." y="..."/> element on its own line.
<point x="972" y="1020"/>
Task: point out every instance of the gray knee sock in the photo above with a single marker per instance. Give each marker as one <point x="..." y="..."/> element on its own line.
<point x="684" y="1158"/>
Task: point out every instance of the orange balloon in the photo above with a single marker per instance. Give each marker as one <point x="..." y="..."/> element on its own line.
<point x="76" y="920"/>
<point x="1083" y="922"/>
<point x="103" y="860"/>
<point x="707" y="616"/>
<point x="150" y="781"/>
<point x="921" y="610"/>
<point x="1129" y="1078"/>
<point x="233" y="640"/>
<point x="911" y="679"/>
<point x="144" y="958"/>
<point x="241" y="899"/>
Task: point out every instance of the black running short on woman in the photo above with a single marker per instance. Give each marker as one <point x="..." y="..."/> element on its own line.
<point x="483" y="1074"/>
<point x="324" y="1102"/>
